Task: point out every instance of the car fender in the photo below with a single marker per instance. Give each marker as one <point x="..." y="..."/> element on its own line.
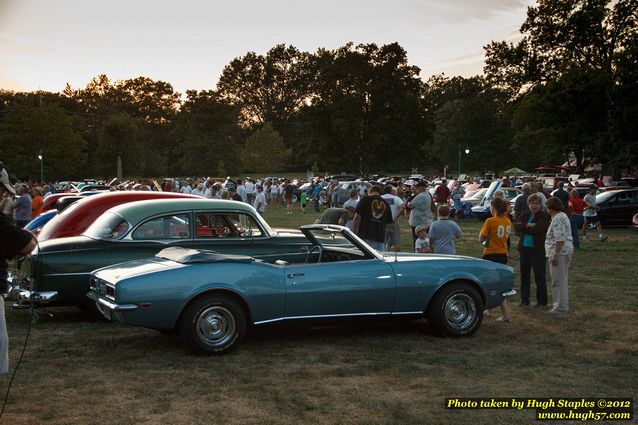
<point x="220" y="288"/>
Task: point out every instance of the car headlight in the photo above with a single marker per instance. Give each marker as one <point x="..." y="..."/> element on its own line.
<point x="102" y="287"/>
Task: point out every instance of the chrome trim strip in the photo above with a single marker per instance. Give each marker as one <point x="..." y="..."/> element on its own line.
<point x="407" y="312"/>
<point x="325" y="316"/>
<point x="68" y="274"/>
<point x="509" y="293"/>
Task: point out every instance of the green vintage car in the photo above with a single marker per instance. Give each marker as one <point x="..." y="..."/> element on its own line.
<point x="57" y="271"/>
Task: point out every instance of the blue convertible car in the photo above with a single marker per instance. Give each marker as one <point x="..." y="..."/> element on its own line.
<point x="211" y="298"/>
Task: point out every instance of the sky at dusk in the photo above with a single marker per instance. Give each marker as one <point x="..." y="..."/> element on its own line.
<point x="48" y="43"/>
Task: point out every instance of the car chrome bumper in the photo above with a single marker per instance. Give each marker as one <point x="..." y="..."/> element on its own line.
<point x="110" y="305"/>
<point x="24" y="298"/>
<point x="509" y="293"/>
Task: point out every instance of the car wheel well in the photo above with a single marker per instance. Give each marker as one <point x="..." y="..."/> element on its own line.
<point x="225" y="292"/>
<point x="451" y="282"/>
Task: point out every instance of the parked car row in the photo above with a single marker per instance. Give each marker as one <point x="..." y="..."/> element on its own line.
<point x="209" y="269"/>
<point x="617" y="206"/>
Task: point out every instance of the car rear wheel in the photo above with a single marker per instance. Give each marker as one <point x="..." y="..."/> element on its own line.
<point x="213" y="324"/>
<point x="457" y="310"/>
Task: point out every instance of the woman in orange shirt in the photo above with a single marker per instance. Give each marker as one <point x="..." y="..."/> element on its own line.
<point x="495" y="236"/>
<point x="37" y="204"/>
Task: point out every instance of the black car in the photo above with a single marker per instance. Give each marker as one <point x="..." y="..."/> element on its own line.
<point x="617" y="207"/>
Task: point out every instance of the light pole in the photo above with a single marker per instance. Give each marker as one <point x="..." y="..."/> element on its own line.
<point x="467" y="151"/>
<point x="41" y="158"/>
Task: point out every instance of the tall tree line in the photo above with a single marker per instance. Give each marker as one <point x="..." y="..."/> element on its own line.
<point x="569" y="85"/>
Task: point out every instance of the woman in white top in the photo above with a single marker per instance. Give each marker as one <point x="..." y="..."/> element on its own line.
<point x="559" y="250"/>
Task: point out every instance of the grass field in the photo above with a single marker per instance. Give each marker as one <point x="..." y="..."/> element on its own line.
<point x="77" y="372"/>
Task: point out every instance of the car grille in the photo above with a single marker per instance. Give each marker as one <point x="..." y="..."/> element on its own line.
<point x="102" y="287"/>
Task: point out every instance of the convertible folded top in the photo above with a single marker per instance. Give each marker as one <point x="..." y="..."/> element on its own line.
<point x="186" y="256"/>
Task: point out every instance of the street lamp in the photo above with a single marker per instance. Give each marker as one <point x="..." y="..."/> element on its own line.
<point x="41" y="158"/>
<point x="467" y="151"/>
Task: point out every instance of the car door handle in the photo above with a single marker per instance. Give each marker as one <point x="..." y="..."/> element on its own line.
<point x="291" y="275"/>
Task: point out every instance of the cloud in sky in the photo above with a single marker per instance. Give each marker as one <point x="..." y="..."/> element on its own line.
<point x="188" y="42"/>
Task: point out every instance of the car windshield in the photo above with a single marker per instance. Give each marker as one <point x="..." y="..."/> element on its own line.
<point x="332" y="238"/>
<point x="107" y="226"/>
<point x="345" y="186"/>
<point x="335" y="239"/>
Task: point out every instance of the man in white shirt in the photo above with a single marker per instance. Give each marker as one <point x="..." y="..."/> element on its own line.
<point x="208" y="192"/>
<point x="186" y="188"/>
<point x="260" y="201"/>
<point x="392" y="231"/>
<point x="199" y="190"/>
<point x="250" y="190"/>
<point x="354" y="199"/>
<point x="241" y="189"/>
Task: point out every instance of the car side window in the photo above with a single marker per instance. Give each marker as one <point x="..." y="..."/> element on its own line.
<point x="165" y="227"/>
<point x="228" y="225"/>
<point x="209" y="225"/>
<point x="246" y="226"/>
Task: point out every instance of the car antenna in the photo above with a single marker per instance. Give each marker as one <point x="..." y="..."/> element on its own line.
<point x="396" y="255"/>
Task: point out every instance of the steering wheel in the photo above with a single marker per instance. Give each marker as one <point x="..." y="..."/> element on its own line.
<point x="318" y="249"/>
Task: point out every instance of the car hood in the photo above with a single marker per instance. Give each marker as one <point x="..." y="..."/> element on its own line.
<point x="129" y="269"/>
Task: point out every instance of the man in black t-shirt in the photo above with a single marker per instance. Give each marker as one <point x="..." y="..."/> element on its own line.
<point x="14" y="241"/>
<point x="370" y="218"/>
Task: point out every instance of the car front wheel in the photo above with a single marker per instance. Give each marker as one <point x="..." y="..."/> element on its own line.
<point x="214" y="324"/>
<point x="457" y="310"/>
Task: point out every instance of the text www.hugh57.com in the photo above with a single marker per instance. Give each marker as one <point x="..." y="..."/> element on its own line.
<point x="582" y="416"/>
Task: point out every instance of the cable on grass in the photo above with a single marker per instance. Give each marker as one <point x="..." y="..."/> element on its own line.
<point x="33" y="317"/>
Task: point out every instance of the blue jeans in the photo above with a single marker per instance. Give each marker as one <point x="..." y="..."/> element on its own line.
<point x="577" y="221"/>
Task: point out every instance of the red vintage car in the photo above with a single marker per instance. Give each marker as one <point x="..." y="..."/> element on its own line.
<point x="75" y="219"/>
<point x="50" y="201"/>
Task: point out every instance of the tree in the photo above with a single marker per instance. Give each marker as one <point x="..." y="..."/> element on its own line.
<point x="119" y="136"/>
<point x="573" y="80"/>
<point x="207" y="136"/>
<point x="477" y="124"/>
<point x="366" y="111"/>
<point x="265" y="151"/>
<point x="268" y="88"/>
<point x="152" y="104"/>
<point x="568" y="114"/>
<point x="559" y="35"/>
<point x="28" y="131"/>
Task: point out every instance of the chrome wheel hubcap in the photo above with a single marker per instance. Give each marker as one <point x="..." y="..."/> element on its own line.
<point x="460" y="311"/>
<point x="215" y="326"/>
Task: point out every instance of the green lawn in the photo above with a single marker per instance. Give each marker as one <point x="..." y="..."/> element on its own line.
<point x="77" y="372"/>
